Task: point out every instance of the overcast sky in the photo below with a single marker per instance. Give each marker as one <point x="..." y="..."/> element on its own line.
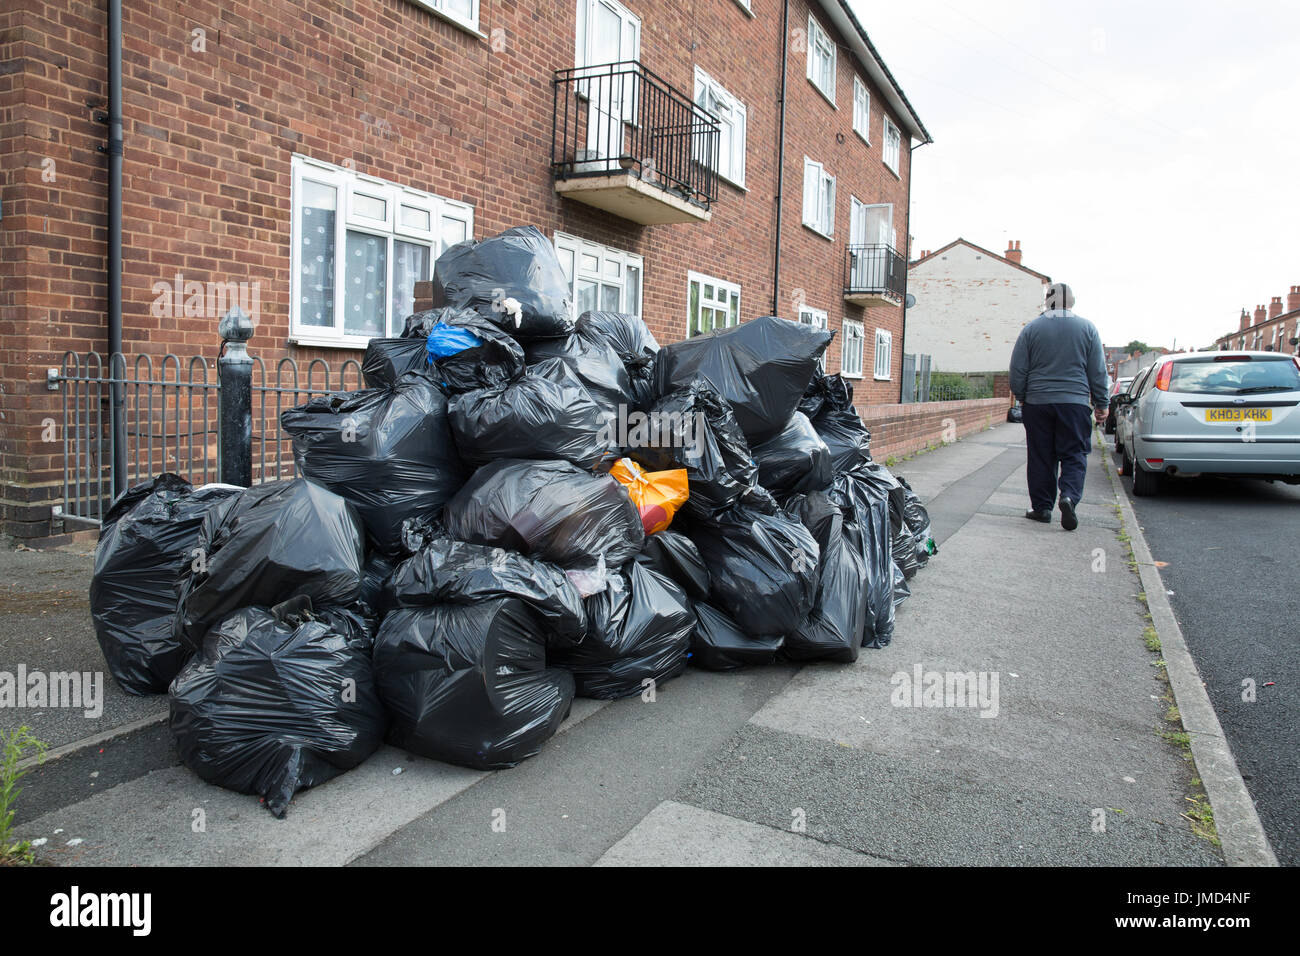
<point x="1147" y="153"/>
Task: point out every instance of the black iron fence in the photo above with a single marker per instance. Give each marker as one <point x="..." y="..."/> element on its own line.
<point x="172" y="411"/>
<point x="875" y="270"/>
<point x="619" y="118"/>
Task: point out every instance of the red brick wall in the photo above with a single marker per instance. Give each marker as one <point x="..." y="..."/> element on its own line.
<point x="394" y="91"/>
<point x="898" y="430"/>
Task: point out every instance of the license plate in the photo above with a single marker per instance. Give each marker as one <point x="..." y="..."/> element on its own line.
<point x="1238" y="415"/>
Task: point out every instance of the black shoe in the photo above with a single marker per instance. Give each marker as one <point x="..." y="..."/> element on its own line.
<point x="1069" y="520"/>
<point x="1044" y="516"/>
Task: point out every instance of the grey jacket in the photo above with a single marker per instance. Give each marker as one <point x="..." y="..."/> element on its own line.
<point x="1059" y="358"/>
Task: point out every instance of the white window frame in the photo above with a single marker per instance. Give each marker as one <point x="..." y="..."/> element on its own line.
<point x="566" y="244"/>
<point x="730" y="111"/>
<point x="820" y="45"/>
<point x="725" y="293"/>
<point x="821" y="197"/>
<point x="861" y="109"/>
<point x="441" y="9"/>
<point x="848" y="367"/>
<point x="817" y="319"/>
<point x="349" y="216"/>
<point x="884" y="363"/>
<point x="631" y="26"/>
<point x="891" y="145"/>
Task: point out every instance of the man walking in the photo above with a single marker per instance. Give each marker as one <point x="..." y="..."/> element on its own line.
<point x="1058" y="372"/>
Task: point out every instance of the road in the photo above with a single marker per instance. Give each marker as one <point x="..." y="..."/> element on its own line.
<point x="1229" y="549"/>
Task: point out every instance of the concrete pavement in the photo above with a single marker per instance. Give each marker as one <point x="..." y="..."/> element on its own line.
<point x="782" y="765"/>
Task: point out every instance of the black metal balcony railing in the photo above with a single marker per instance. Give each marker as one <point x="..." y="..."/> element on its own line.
<point x="621" y="118"/>
<point x="875" y="270"/>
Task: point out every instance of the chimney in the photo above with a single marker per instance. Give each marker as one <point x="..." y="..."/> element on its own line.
<point x="1245" y="320"/>
<point x="1013" y="251"/>
<point x="1293" y="299"/>
<point x="1260" y="314"/>
<point x="1275" y="307"/>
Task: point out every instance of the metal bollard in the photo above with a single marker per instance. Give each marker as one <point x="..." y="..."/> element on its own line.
<point x="235" y="408"/>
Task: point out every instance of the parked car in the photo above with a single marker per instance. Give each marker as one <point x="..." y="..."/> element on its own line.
<point x="1123" y="414"/>
<point x="1212" y="413"/>
<point x="1118" y="389"/>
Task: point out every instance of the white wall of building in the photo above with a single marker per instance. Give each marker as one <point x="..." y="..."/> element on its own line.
<point x="969" y="310"/>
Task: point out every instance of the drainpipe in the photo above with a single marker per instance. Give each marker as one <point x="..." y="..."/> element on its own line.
<point x="907" y="258"/>
<point x="780" y="160"/>
<point x="115" y="238"/>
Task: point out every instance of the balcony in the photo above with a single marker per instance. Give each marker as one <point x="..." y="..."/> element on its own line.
<point x="874" y="275"/>
<point x="625" y="141"/>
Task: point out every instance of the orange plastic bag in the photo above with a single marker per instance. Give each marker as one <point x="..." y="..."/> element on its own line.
<point x="656" y="494"/>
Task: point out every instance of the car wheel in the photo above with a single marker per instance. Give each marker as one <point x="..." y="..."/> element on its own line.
<point x="1125" y="462"/>
<point x="1146" y="484"/>
<point x="1110" y="424"/>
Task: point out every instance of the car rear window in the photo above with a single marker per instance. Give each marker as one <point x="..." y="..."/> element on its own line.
<point x="1236" y="376"/>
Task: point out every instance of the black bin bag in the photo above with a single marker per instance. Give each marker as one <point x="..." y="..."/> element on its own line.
<point x="389" y="451"/>
<point x="376" y="586"/>
<point x="863" y="497"/>
<point x="146" y="539"/>
<point x="270" y="543"/>
<point x="676" y="557"/>
<point x="835" y="628"/>
<point x="466" y="351"/>
<point x="468" y="683"/>
<point x="693" y="428"/>
<point x="441" y="569"/>
<point x="546" y="414"/>
<point x="638" y="636"/>
<point x="278" y="700"/>
<point x="917" y="519"/>
<point x="549" y="510"/>
<point x="761" y="367"/>
<point x="514" y="279"/>
<point x="795" y="459"/>
<point x="595" y="364"/>
<point x="635" y="344"/>
<point x="718" y="644"/>
<point x="763" y="568"/>
<point x="839" y="425"/>
<point x="387" y="360"/>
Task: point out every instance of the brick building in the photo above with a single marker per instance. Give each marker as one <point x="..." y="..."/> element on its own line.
<point x="1274" y="329"/>
<point x="310" y="160"/>
<point x="970" y="306"/>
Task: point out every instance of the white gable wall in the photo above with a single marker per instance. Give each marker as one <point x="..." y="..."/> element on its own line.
<point x="969" y="310"/>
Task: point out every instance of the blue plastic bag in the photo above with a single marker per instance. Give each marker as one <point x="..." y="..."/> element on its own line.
<point x="445" y="340"/>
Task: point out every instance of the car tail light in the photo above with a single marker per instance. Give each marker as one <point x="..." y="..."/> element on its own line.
<point x="1155" y="461"/>
<point x="1164" y="375"/>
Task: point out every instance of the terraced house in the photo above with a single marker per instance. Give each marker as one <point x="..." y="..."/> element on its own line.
<point x="698" y="162"/>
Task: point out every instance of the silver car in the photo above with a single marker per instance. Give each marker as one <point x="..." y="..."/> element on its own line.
<point x="1215" y="413"/>
<point x="1124" y="410"/>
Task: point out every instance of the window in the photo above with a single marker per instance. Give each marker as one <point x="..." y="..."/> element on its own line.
<point x="893" y="144"/>
<point x="851" y="349"/>
<point x="818" y="198"/>
<point x="711" y="304"/>
<point x="817" y="319"/>
<point x="601" y="279"/>
<point x="359" y="246"/>
<point x="821" y="59"/>
<point x="884" y="354"/>
<point x="861" y="109"/>
<point x="730" y="113"/>
<point x="463" y="12"/>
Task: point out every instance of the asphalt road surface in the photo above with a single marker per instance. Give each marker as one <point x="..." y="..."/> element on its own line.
<point x="1230" y="547"/>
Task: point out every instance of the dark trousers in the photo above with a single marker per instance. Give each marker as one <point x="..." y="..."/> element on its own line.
<point x="1059" y="437"/>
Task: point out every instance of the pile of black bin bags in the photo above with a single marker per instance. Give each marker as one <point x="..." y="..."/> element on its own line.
<point x="455" y="561"/>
